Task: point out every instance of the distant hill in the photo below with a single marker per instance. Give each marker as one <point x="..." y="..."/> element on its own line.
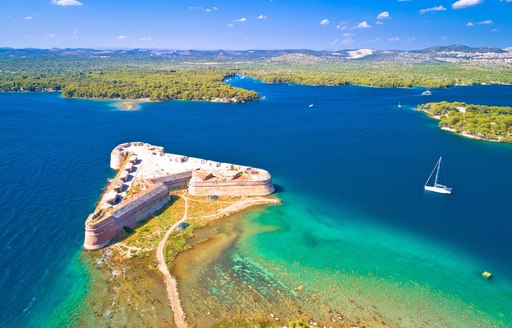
<point x="461" y="48"/>
<point x="293" y="56"/>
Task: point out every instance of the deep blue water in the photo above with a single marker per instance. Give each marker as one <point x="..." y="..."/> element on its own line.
<point x="353" y="150"/>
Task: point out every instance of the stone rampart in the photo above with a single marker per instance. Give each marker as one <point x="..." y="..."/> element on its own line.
<point x="175" y="181"/>
<point x="232" y="188"/>
<point x="99" y="233"/>
<point x="144" y="181"/>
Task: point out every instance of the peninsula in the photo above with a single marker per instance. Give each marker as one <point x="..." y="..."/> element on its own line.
<point x="490" y="123"/>
<point x="154" y="203"/>
<point x="146" y="176"/>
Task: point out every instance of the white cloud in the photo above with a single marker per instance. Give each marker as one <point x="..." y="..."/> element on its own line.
<point x="325" y="22"/>
<point x="262" y="17"/>
<point x="208" y="10"/>
<point x="379" y="23"/>
<point x="394" y="39"/>
<point x="348" y="34"/>
<point x="485" y="22"/>
<point x="51" y="35"/>
<point x="383" y="15"/>
<point x="122" y="37"/>
<point x="460" y="4"/>
<point x="230" y="25"/>
<point x="437" y="8"/>
<point x="27" y="18"/>
<point x="469" y="24"/>
<point x="241" y="20"/>
<point x="494" y="30"/>
<point x="363" y="24"/>
<point x="146" y="38"/>
<point x="342" y="25"/>
<point x="66" y="2"/>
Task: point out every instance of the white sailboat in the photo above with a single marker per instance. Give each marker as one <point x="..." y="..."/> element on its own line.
<point x="437" y="187"/>
<point x="399" y="105"/>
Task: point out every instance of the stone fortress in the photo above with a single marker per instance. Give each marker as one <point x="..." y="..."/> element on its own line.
<point x="146" y="175"/>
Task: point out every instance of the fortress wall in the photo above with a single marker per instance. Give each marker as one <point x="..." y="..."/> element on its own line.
<point x="101" y="227"/>
<point x="119" y="154"/>
<point x="140" y="208"/>
<point x="233" y="188"/>
<point x="117" y="158"/>
<point x="175" y="181"/>
<point x="99" y="234"/>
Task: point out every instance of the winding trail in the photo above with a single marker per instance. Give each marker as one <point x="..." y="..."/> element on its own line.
<point x="170" y="282"/>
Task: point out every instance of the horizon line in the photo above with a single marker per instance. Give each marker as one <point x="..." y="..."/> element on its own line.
<point x="251" y="49"/>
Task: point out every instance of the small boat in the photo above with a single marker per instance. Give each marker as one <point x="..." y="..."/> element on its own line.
<point x="399" y="106"/>
<point x="311" y="105"/>
<point x="426" y="93"/>
<point x="437" y="187"/>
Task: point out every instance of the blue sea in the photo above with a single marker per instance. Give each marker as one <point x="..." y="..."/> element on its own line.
<point x="350" y="172"/>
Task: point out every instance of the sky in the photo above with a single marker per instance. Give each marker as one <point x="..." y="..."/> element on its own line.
<point x="254" y="24"/>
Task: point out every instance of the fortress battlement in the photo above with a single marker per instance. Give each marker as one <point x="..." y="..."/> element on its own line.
<point x="146" y="175"/>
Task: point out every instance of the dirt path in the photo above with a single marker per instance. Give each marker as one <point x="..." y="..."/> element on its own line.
<point x="241" y="205"/>
<point x="171" y="283"/>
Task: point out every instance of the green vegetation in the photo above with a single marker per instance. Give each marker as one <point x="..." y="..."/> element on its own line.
<point x="492" y="123"/>
<point x="383" y="74"/>
<point x="133" y="83"/>
<point x="177" y="242"/>
<point x="201" y="78"/>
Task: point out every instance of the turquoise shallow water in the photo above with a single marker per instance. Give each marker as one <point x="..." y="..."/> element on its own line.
<point x="350" y="172"/>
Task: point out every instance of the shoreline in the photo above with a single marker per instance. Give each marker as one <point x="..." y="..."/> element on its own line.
<point x="462" y="133"/>
<point x="170" y="281"/>
<point x="120" y="270"/>
<point x="131" y="104"/>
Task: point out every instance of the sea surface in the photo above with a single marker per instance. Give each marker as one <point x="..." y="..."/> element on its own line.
<point x="350" y="171"/>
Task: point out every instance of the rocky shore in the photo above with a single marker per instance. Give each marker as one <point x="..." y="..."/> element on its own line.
<point x="127" y="284"/>
<point x="461" y="133"/>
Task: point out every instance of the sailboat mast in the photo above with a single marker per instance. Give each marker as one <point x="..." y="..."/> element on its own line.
<point x="438" y="167"/>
